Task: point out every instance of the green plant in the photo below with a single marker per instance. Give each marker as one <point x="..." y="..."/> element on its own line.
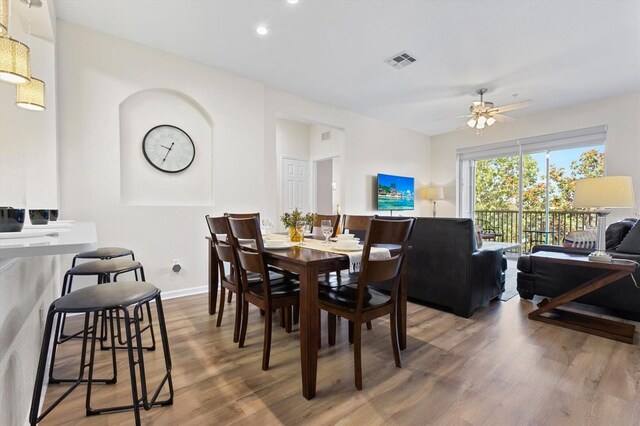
<point x="290" y="219"/>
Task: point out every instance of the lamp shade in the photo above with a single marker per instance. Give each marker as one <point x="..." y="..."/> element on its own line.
<point x="14" y="61"/>
<point x="434" y="193"/>
<point x="604" y="192"/>
<point x="4" y="17"/>
<point x="31" y="95"/>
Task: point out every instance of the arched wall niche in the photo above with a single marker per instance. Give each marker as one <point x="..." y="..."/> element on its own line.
<point x="143" y="185"/>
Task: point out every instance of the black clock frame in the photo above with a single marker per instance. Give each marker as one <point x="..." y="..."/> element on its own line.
<point x="144" y="139"/>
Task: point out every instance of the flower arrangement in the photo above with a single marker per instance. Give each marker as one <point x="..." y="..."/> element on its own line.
<point x="291" y="219"/>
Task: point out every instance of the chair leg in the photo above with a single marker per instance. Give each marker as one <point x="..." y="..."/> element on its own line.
<point x="331" y="320"/>
<point x="287" y="319"/>
<point x="319" y="328"/>
<point x="221" y="307"/>
<point x="357" y="355"/>
<point x="229" y="297"/>
<point x="395" y="343"/>
<point x="243" y="327"/>
<point x="351" y="332"/>
<point x="238" y="319"/>
<point x="37" y="389"/>
<point x="266" y="350"/>
<point x="296" y="313"/>
<point x="282" y="318"/>
<point x="369" y="325"/>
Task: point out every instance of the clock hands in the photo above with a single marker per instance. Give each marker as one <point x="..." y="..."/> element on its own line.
<point x="168" y="150"/>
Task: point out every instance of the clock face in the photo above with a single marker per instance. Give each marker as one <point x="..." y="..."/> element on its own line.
<point x="168" y="148"/>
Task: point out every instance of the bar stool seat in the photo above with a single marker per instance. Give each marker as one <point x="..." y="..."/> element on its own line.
<point x="120" y="297"/>
<point x="98" y="298"/>
<point x="110" y="266"/>
<point x="105" y="253"/>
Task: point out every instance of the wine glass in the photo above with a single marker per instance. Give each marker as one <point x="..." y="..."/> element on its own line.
<point x="327" y="230"/>
<point x="266" y="228"/>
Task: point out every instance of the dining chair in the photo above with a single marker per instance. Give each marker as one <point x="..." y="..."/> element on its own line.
<point x="356" y="225"/>
<point x="269" y="294"/>
<point x="318" y="218"/>
<point x="358" y="302"/>
<point x="243" y="215"/>
<point x="226" y="255"/>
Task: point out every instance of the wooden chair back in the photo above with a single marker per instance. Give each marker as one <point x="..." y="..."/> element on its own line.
<point x="385" y="232"/>
<point x="224" y="250"/>
<point x="356" y="225"/>
<point x="318" y="218"/>
<point x="243" y="215"/>
<point x="250" y="260"/>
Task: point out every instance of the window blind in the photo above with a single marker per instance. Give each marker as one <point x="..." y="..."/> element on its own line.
<point x="562" y="140"/>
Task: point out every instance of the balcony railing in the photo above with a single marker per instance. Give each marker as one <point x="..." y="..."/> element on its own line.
<point x="504" y="223"/>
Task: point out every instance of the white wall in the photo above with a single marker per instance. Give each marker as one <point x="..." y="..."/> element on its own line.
<point x="622" y="148"/>
<point x="144" y="185"/>
<point x="333" y="148"/>
<point x="97" y="72"/>
<point x="371" y="147"/>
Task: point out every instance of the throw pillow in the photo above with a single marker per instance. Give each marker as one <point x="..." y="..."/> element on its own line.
<point x="631" y="242"/>
<point x="617" y="231"/>
<point x="581" y="239"/>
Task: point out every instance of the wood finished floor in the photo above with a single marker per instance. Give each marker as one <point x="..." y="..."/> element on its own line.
<point x="497" y="368"/>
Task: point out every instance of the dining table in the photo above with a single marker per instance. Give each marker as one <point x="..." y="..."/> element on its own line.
<point x="309" y="263"/>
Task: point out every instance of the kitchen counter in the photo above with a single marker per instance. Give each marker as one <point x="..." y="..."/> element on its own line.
<point x="73" y="238"/>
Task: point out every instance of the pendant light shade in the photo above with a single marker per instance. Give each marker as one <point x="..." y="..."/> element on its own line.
<point x="4" y="17"/>
<point x="14" y="61"/>
<point x="31" y="95"/>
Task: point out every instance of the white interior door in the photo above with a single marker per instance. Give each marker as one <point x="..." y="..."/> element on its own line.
<point x="296" y="184"/>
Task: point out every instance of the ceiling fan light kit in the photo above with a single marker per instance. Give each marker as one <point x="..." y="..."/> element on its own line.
<point x="485" y="114"/>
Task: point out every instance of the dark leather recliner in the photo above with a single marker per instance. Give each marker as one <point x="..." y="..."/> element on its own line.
<point x="446" y="268"/>
<point x="550" y="280"/>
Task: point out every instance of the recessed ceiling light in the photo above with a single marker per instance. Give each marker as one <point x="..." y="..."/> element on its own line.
<point x="262" y="30"/>
<point x="292" y="1"/>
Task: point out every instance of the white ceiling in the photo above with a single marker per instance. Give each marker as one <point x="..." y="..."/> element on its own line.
<point x="557" y="53"/>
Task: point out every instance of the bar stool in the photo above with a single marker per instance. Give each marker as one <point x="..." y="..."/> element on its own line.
<point x="105" y="253"/>
<point x="105" y="271"/>
<point x="119" y="297"/>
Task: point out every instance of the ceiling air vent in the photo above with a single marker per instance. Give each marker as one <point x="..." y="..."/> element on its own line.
<point x="326" y="135"/>
<point x="401" y="60"/>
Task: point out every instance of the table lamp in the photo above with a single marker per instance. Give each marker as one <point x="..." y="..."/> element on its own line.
<point x="434" y="193"/>
<point x="603" y="193"/>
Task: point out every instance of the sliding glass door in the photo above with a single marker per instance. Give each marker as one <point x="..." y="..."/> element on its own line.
<point x="526" y="197"/>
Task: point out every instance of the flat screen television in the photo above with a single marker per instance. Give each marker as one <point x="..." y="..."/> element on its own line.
<point x="395" y="192"/>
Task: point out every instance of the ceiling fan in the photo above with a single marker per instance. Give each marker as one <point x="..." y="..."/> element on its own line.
<point x="484" y="114"/>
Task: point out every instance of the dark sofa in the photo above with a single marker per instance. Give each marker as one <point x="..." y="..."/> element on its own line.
<point x="446" y="268"/>
<point x="550" y="280"/>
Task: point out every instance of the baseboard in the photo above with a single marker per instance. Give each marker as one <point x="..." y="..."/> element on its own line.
<point x="184" y="292"/>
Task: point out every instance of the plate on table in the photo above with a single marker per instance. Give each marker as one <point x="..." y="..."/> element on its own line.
<point x="281" y="245"/>
<point x="27" y="233"/>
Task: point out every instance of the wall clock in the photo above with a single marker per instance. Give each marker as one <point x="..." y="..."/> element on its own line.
<point x="168" y="148"/>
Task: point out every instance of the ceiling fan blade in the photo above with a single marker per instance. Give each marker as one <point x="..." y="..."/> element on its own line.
<point x="512" y="107"/>
<point x="500" y="118"/>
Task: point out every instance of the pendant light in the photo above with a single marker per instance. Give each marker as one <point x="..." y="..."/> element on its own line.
<point x="4" y="17"/>
<point x="14" y="56"/>
<point x="30" y="95"/>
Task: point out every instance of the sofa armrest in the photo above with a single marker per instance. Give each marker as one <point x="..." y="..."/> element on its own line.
<point x="561" y="249"/>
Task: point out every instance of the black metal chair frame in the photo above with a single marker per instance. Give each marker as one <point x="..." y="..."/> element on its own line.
<point x="102" y="279"/>
<point x="147" y="403"/>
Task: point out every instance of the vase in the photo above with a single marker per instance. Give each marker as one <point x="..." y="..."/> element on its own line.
<point x="296" y="234"/>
